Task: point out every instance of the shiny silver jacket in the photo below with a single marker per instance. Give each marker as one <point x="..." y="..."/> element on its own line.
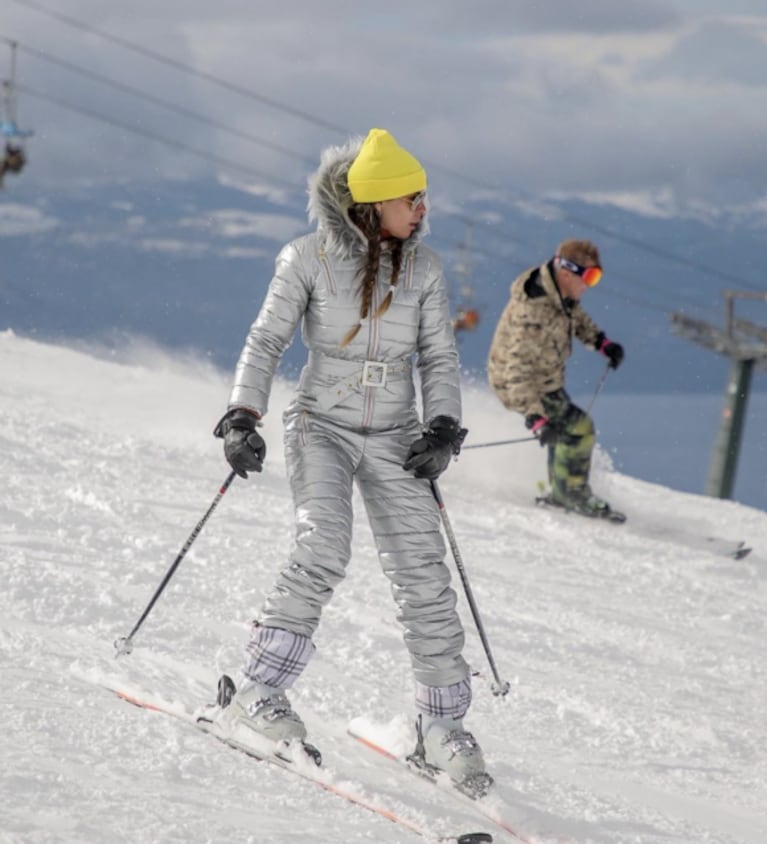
<point x="368" y="384"/>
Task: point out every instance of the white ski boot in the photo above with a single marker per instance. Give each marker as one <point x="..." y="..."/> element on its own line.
<point x="263" y="710"/>
<point x="445" y="745"/>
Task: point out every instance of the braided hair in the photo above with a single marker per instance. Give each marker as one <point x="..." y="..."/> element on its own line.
<point x="365" y="217"/>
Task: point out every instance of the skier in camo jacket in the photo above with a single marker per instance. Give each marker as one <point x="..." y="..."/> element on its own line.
<point x="526" y="366"/>
<point x="371" y="298"/>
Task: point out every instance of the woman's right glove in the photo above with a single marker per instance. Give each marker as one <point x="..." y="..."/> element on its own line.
<point x="244" y="447"/>
<point x="430" y="455"/>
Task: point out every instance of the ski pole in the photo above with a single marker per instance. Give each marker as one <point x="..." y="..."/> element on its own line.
<point x="499" y="688"/>
<point x="499" y="442"/>
<point x="124" y="645"/>
<point x="599" y="388"/>
<point x="529" y="439"/>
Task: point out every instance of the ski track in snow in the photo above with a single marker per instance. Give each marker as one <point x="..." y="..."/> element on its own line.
<point x="635" y="653"/>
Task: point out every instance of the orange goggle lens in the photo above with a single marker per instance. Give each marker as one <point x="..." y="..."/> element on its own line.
<point x="590" y="275"/>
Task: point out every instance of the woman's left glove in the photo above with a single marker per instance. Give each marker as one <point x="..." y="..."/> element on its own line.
<point x="430" y="455"/>
<point x="244" y="447"/>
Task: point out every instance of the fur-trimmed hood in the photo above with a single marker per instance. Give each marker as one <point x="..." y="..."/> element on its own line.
<point x="330" y="200"/>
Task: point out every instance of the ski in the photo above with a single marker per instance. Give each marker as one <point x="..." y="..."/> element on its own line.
<point x="486" y="806"/>
<point x="606" y="514"/>
<point x="738" y="550"/>
<point x="304" y="760"/>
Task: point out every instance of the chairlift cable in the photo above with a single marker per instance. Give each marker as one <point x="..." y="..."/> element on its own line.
<point x="181" y="66"/>
<point x="158" y="101"/>
<point x="659" y="252"/>
<point x="153" y="136"/>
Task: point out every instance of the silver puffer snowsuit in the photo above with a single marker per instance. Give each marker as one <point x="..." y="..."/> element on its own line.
<point x="354" y="418"/>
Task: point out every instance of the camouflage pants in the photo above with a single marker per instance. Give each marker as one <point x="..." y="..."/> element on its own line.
<point x="570" y="455"/>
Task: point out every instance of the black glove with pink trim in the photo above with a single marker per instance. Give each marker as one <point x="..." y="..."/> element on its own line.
<point x="613" y="351"/>
<point x="544" y="430"/>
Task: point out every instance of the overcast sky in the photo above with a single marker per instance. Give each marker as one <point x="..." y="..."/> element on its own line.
<point x="659" y="101"/>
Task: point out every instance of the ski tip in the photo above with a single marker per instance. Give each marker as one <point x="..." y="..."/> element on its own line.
<point x="134" y="700"/>
<point x="742" y="553"/>
<point x="473" y="838"/>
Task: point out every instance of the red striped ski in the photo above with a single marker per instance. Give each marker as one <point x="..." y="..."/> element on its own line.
<point x="482" y="806"/>
<point x="306" y="768"/>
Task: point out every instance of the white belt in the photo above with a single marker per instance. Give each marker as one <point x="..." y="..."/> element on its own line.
<point x="374" y="374"/>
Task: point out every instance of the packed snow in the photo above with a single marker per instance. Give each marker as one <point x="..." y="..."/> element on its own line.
<point x="635" y="653"/>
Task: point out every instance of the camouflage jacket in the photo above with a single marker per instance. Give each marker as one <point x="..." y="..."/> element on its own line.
<point x="534" y="339"/>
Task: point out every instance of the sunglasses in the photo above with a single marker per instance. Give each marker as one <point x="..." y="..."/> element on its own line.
<point x="590" y="275"/>
<point x="416" y="200"/>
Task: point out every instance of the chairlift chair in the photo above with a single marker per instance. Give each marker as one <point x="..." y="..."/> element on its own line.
<point x="14" y="153"/>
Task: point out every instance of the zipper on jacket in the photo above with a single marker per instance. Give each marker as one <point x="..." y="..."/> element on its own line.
<point x="369" y="404"/>
<point x="328" y="271"/>
<point x="410" y="268"/>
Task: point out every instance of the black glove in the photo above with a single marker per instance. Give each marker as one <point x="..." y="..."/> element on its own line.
<point x="611" y="350"/>
<point x="244" y="447"/>
<point x="543" y="429"/>
<point x="430" y="455"/>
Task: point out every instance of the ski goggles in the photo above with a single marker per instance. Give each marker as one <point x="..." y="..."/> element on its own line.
<point x="590" y="275"/>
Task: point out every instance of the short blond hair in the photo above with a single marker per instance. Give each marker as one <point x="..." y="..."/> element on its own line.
<point x="579" y="252"/>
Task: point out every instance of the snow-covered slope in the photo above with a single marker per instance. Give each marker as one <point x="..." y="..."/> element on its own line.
<point x="635" y="653"/>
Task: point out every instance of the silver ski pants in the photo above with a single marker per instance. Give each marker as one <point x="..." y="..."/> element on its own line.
<point x="323" y="462"/>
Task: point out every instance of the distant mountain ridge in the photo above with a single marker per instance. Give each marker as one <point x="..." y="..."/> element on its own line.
<point x="187" y="265"/>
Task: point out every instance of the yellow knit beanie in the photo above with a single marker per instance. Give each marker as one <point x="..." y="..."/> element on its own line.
<point x="384" y="170"/>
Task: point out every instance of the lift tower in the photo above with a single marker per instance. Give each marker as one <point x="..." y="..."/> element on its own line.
<point x="745" y="344"/>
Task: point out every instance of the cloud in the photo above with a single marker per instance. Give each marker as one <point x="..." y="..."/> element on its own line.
<point x="174" y="246"/>
<point x="553" y="16"/>
<point x="583" y="97"/>
<point x="18" y="220"/>
<point x="716" y="52"/>
<point x="232" y="223"/>
<point x="658" y="204"/>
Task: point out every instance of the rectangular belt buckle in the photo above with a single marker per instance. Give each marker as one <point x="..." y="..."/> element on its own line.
<point x="374" y="373"/>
